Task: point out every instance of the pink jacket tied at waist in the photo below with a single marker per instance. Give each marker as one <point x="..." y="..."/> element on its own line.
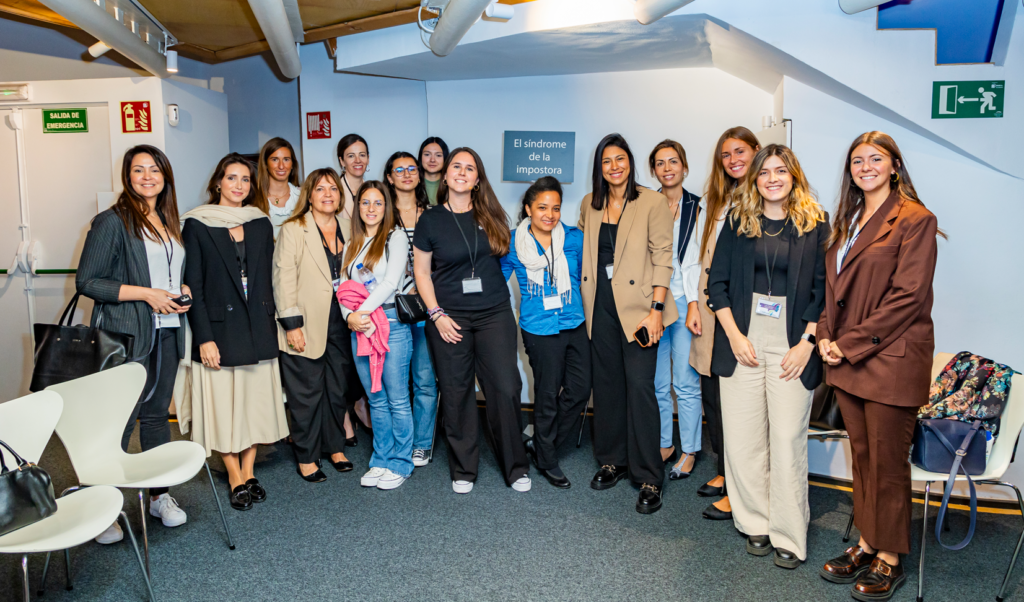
<point x="351" y="294"/>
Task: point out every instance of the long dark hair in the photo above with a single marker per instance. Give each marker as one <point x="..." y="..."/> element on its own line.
<point x="304" y="206"/>
<point x="422" y="200"/>
<point x="851" y="197"/>
<point x="263" y="172"/>
<point x="347" y="141"/>
<point x="599" y="186"/>
<point x="380" y="240"/>
<point x="254" y="198"/>
<point x="434" y="140"/>
<point x="545" y="184"/>
<point x="720" y="185"/>
<point x="133" y="209"/>
<point x="487" y="210"/>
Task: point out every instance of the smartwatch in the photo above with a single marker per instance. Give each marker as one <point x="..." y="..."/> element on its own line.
<point x="810" y="338"/>
<point x="657" y="306"/>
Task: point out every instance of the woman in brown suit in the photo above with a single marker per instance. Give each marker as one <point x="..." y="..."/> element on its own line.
<point x="877" y="336"/>
<point x="627" y="266"/>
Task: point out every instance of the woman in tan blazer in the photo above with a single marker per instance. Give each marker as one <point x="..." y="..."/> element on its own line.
<point x="315" y="341"/>
<point x="627" y="266"/>
<point x="877" y="336"/>
<point x="730" y="162"/>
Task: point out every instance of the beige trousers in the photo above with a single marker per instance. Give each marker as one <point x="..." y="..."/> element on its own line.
<point x="765" y="422"/>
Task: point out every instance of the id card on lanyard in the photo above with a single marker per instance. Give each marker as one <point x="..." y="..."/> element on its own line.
<point x="241" y="265"/>
<point x="765" y="305"/>
<point x="610" y="268"/>
<point x="473" y="284"/>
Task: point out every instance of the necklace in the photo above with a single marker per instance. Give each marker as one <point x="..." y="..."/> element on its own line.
<point x="764" y="227"/>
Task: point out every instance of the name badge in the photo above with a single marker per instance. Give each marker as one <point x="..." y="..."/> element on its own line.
<point x="765" y="307"/>
<point x="553" y="302"/>
<point x="245" y="287"/>
<point x="609" y="269"/>
<point x="472" y="285"/>
<point x="336" y="283"/>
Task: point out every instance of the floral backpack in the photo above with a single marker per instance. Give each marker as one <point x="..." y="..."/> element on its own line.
<point x="969" y="388"/>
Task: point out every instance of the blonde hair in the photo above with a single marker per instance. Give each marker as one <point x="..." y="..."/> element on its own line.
<point x="801" y="207"/>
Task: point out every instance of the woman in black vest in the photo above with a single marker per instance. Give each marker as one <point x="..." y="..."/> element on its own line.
<point x="236" y="387"/>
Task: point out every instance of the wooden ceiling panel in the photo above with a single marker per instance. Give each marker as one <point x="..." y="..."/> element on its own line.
<point x="31" y="9"/>
<point x="211" y="24"/>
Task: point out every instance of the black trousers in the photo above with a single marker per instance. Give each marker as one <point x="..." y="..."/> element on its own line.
<point x="153" y="415"/>
<point x="561" y="388"/>
<point x="317" y="392"/>
<point x="627" y="420"/>
<point x="711" y="399"/>
<point x="487" y="352"/>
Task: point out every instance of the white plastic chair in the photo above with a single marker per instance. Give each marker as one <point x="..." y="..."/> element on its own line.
<point x="26" y="425"/>
<point x="96" y="409"/>
<point x="1010" y="425"/>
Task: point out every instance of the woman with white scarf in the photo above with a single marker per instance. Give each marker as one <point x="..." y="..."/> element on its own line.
<point x="547" y="258"/>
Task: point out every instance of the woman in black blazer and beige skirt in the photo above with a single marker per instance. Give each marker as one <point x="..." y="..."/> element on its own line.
<point x="236" y="398"/>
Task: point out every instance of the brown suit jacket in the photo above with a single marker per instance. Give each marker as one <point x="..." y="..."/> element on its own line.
<point x="701" y="345"/>
<point x="643" y="259"/>
<point x="878" y="309"/>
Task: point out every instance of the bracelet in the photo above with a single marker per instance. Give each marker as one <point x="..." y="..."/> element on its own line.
<point x="435" y="313"/>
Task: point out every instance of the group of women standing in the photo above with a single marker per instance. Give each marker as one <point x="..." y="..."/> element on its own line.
<point x="735" y="301"/>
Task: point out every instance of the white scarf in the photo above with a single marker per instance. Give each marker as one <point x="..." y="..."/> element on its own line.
<point x="222" y="216"/>
<point x="536" y="264"/>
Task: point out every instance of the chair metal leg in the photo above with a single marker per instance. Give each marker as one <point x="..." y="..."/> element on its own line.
<point x="67" y="570"/>
<point x="216" y="498"/>
<point x="849" y="526"/>
<point x="583" y="425"/>
<point x="24" y="576"/>
<point x="1020" y="540"/>
<point x="145" y="531"/>
<point x="42" y="582"/>
<point x="924" y="535"/>
<point x="138" y="556"/>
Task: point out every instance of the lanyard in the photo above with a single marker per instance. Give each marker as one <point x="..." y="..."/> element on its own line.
<point x="170" y="257"/>
<point x="611" y="239"/>
<point x="472" y="250"/>
<point x="358" y="255"/>
<point x="238" y="254"/>
<point x="551" y="262"/>
<point x="335" y="270"/>
<point x="777" y="245"/>
<point x="845" y="250"/>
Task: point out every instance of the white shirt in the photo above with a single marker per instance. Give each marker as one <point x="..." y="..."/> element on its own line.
<point x="163" y="276"/>
<point x="691" y="258"/>
<point x="677" y="284"/>
<point x="389" y="272"/>
<point x="278" y="215"/>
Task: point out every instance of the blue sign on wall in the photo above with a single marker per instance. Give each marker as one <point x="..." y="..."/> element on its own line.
<point x="532" y="155"/>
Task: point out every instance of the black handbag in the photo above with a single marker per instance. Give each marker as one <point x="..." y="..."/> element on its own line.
<point x="26" y="494"/>
<point x="65" y="352"/>
<point x="410" y="309"/>
<point x="825" y="414"/>
<point x="950" y="446"/>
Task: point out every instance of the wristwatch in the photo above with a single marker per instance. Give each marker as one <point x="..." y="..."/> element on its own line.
<point x="657" y="306"/>
<point x="810" y="338"/>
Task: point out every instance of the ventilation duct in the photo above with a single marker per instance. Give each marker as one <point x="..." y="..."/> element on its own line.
<point x="855" y="6"/>
<point x="273" y="20"/>
<point x="456" y="20"/>
<point x="649" y="11"/>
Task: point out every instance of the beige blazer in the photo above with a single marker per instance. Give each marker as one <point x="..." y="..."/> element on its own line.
<point x="643" y="259"/>
<point x="302" y="284"/>
<point x="701" y="346"/>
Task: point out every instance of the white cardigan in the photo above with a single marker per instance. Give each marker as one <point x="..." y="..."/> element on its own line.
<point x="389" y="272"/>
<point x="691" y="257"/>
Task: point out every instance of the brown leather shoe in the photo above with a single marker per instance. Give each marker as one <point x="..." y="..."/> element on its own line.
<point x="848" y="567"/>
<point x="880" y="582"/>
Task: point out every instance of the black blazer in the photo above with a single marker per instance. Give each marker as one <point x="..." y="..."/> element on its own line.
<point x="245" y="331"/>
<point x="731" y="284"/>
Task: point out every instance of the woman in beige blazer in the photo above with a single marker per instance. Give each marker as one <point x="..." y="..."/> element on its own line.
<point x="627" y="266"/>
<point x="315" y="341"/>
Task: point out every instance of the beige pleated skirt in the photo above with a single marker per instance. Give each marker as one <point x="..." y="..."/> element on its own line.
<point x="236" y="408"/>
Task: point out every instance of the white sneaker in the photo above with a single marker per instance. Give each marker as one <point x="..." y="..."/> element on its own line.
<point x="372" y="476"/>
<point x="113" y="534"/>
<point x="420" y="457"/>
<point x="390" y="480"/>
<point x="166" y="509"/>
<point x="462" y="486"/>
<point x="523" y="484"/>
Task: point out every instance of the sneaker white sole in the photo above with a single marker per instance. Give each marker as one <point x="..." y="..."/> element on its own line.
<point x="106" y="541"/>
<point x="419" y="463"/>
<point x="369" y="481"/>
<point x="522" y="487"/>
<point x="390" y="483"/>
<point x="458" y="488"/>
<point x="170" y="523"/>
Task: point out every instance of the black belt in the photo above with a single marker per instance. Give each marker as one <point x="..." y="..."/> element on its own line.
<point x="387" y="306"/>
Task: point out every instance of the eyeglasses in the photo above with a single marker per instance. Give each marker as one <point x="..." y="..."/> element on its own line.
<point x="377" y="204"/>
<point x="411" y="170"/>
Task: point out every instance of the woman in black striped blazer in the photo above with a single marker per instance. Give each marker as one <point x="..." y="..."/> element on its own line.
<point x="131" y="267"/>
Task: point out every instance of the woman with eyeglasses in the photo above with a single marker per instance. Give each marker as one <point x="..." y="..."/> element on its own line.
<point x="433" y="154"/>
<point x="402" y="174"/>
<point x="377" y="257"/>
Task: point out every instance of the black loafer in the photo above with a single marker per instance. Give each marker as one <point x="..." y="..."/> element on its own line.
<point x="759" y="545"/>
<point x="317" y="476"/>
<point x="649" y="501"/>
<point x="713" y="513"/>
<point x="555" y="477"/>
<point x="706" y="490"/>
<point x="256" y="491"/>
<point x="240" y="498"/>
<point x="786" y="559"/>
<point x="531" y="450"/>
<point x="343" y="466"/>
<point x="608" y="476"/>
<point x="351" y="441"/>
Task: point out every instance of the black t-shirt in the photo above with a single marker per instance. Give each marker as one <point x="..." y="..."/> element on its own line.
<point x="765" y="255"/>
<point x="438" y="233"/>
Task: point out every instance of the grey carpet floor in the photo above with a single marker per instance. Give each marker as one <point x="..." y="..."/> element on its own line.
<point x="338" y="541"/>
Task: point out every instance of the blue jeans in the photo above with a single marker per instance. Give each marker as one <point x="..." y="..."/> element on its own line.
<point x="389" y="408"/>
<point x="674" y="370"/>
<point x="424" y="389"/>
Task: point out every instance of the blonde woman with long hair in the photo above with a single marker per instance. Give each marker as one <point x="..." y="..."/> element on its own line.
<point x="767" y="289"/>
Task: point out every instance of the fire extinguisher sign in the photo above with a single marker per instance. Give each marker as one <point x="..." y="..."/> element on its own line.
<point x="136" y="117"/>
<point x="318" y="125"/>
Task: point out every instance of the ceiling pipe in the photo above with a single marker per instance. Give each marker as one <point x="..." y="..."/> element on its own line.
<point x="851" y="7"/>
<point x="649" y="11"/>
<point x="99" y="24"/>
<point x="455" y="21"/>
<point x="273" y="20"/>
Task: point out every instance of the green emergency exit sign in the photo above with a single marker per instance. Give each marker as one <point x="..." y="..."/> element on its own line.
<point x="63" y="121"/>
<point x="968" y="100"/>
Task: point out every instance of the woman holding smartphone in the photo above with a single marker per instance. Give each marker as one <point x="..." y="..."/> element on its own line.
<point x="547" y="258"/>
<point x="767" y="288"/>
<point x="627" y="268"/>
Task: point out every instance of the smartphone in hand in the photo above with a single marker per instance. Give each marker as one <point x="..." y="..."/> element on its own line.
<point x="643" y="336"/>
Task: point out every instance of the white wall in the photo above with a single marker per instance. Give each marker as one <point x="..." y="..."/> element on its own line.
<point x="199" y="140"/>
